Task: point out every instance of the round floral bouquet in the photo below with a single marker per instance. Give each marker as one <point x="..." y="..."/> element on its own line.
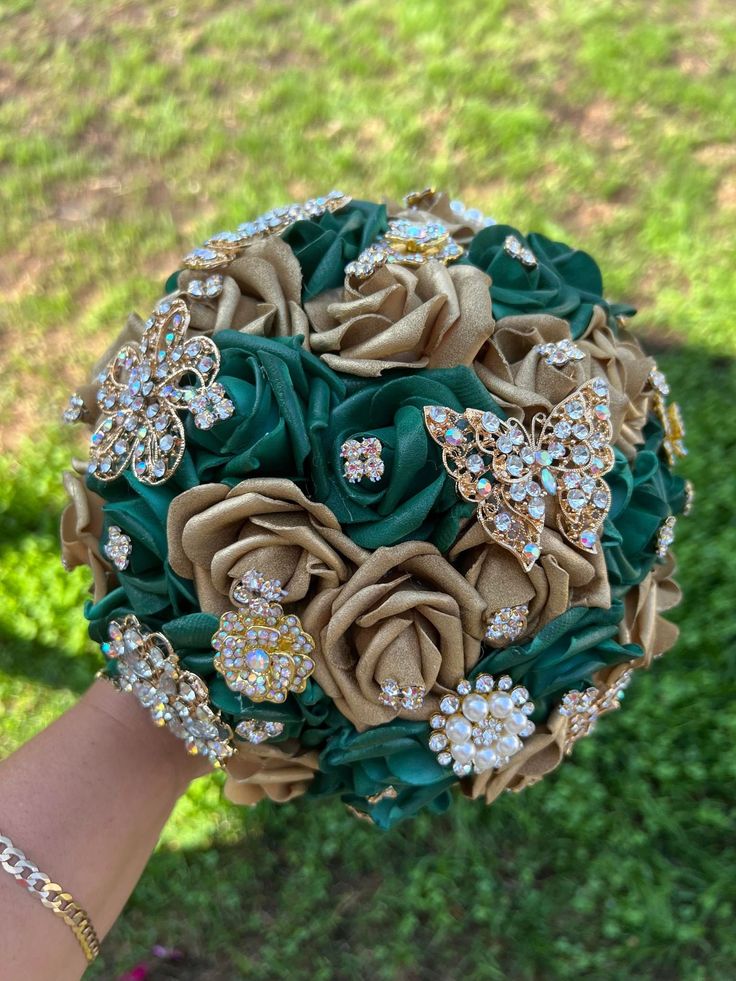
<point x="378" y="503"/>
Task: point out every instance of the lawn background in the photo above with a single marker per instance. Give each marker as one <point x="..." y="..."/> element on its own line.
<point x="128" y="131"/>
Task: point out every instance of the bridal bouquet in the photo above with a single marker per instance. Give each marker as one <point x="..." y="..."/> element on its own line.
<point x="378" y="503"/>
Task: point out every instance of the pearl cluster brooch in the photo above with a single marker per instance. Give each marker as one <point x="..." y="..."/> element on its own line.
<point x="482" y="726"/>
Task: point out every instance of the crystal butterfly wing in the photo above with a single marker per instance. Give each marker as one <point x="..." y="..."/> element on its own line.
<point x="466" y="439"/>
<point x="575" y="444"/>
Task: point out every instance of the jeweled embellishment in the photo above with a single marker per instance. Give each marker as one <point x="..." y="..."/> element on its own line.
<point x="687" y="509"/>
<point x="396" y="696"/>
<point x="257" y="731"/>
<point x="205" y="289"/>
<point x="142" y="390"/>
<point x="263" y="653"/>
<point x="408" y="243"/>
<point x="513" y="247"/>
<point x="509" y="472"/>
<point x="75" y="409"/>
<point x="481" y="727"/>
<point x="666" y="537"/>
<point x="507" y="625"/>
<point x="118" y="547"/>
<point x="362" y="459"/>
<point x="582" y="709"/>
<point x="558" y="354"/>
<point x="222" y="248"/>
<point x="148" y="667"/>
<point x="670" y="417"/>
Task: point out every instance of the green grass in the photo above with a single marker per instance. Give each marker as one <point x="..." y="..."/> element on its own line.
<point x="129" y="131"/>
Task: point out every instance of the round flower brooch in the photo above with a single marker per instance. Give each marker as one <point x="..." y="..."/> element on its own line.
<point x="378" y="503"/>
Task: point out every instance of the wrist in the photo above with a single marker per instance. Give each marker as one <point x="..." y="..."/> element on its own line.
<point x="157" y="746"/>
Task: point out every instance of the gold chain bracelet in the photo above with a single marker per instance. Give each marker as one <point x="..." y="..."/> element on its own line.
<point x="51" y="895"/>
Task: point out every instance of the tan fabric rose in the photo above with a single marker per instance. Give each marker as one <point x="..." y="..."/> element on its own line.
<point x="216" y="534"/>
<point x="280" y="772"/>
<point x="643" y="623"/>
<point x="563" y="576"/>
<point x="523" y="384"/>
<point x="261" y="294"/>
<point x="433" y="316"/>
<point x="542" y="753"/>
<point x="81" y="528"/>
<point x="407" y="615"/>
<point x="627" y="369"/>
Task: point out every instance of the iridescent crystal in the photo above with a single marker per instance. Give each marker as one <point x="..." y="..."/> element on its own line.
<point x="75" y="409"/>
<point x="258" y="730"/>
<point x="558" y="354"/>
<point x="118" y="547"/>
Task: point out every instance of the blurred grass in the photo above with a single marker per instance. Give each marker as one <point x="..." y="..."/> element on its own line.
<point x="127" y="132"/>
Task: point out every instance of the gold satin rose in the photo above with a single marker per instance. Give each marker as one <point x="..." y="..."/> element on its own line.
<point x="81" y="528"/>
<point x="261" y="294"/>
<point x="280" y="773"/>
<point x="518" y="376"/>
<point x="431" y="317"/>
<point x="643" y="623"/>
<point x="406" y="615"/>
<point x="217" y="533"/>
<point x="562" y="577"/>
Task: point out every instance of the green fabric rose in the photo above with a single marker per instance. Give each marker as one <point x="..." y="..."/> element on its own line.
<point x="565" y="282"/>
<point x="325" y="245"/>
<point x="415" y="499"/>
<point x="271" y="382"/>
<point x="564" y="655"/>
<point x="643" y="493"/>
<point x="360" y="765"/>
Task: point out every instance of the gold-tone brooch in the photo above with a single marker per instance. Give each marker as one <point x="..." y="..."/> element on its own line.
<point x="670" y="416"/>
<point x="143" y="389"/>
<point x="222" y="248"/>
<point x="177" y="699"/>
<point x="407" y="242"/>
<point x="511" y="474"/>
<point x="262" y="652"/>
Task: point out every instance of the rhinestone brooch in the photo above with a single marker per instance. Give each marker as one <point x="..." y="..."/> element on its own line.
<point x="362" y="459"/>
<point x="222" y="248"/>
<point x="262" y="653"/>
<point x="407" y="243"/>
<point x="424" y="199"/>
<point x="670" y="418"/>
<point x="396" y="696"/>
<point x="142" y="391"/>
<point x="75" y="409"/>
<point x="558" y="354"/>
<point x="513" y="247"/>
<point x="257" y="731"/>
<point x="582" y="709"/>
<point x="509" y="472"/>
<point x="118" y="547"/>
<point x="481" y="727"/>
<point x="506" y="625"/>
<point x="177" y="699"/>
<point x="665" y="537"/>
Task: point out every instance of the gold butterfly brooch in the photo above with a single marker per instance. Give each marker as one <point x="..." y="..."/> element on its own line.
<point x="512" y="475"/>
